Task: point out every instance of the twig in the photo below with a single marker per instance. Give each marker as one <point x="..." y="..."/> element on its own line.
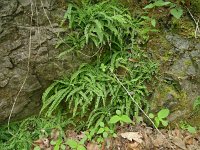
<point x="140" y="107"/>
<point x="28" y="70"/>
<point x="136" y="103"/>
<point x="197" y="30"/>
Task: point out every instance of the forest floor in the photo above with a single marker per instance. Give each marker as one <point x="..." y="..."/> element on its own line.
<point x="139" y="137"/>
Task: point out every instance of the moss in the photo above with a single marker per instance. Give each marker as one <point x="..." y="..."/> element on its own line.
<point x="188" y="63"/>
<point x="195" y="4"/>
<point x="165" y="96"/>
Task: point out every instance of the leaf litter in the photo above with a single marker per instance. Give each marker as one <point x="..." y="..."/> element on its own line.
<point x="139" y="137"/>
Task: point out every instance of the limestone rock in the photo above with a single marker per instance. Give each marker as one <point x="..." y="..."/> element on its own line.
<point x="180" y="83"/>
<point x="8" y="7"/>
<point x="22" y="42"/>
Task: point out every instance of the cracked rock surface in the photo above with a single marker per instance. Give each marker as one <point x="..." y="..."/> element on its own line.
<point x="15" y="27"/>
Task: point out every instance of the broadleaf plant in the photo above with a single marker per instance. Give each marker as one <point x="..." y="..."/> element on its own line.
<point x="160" y="117"/>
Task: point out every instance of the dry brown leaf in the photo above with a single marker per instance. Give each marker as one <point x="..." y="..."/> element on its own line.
<point x="80" y="136"/>
<point x="160" y="140"/>
<point x="92" y="146"/>
<point x="38" y="142"/>
<point x="46" y="142"/>
<point x="54" y="134"/>
<point x="179" y="142"/>
<point x="133" y="146"/>
<point x="136" y="136"/>
<point x="42" y="143"/>
<point x="188" y="140"/>
<point x="71" y="134"/>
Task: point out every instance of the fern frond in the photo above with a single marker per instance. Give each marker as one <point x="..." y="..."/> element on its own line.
<point x="48" y="91"/>
<point x="59" y="96"/>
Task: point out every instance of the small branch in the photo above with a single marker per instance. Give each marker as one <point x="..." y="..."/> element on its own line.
<point x="28" y="70"/>
<point x="197" y="30"/>
<point x="136" y="103"/>
<point x="140" y="107"/>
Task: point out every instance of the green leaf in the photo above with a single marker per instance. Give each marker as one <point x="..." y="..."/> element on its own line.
<point x="145" y="17"/>
<point x="126" y="119"/>
<point x="53" y="142"/>
<point x="161" y="3"/>
<point x="105" y="134"/>
<point x="101" y="130"/>
<point x="158" y="3"/>
<point x="114" y="119"/>
<point x="153" y="22"/>
<point x="100" y="140"/>
<point x="119" y="18"/>
<point x="151" y="115"/>
<point x="72" y="143"/>
<point x="163" y="113"/>
<point x="57" y="146"/>
<point x="37" y="148"/>
<point x="149" y="6"/>
<point x="164" y="123"/>
<point x="191" y="129"/>
<point x="81" y="147"/>
<point x="177" y="12"/>
<point x="114" y="135"/>
<point x="157" y="121"/>
<point x="118" y="112"/>
<point x="196" y="103"/>
<point x="101" y="124"/>
<point x="63" y="147"/>
<point x="106" y="129"/>
<point x="103" y="67"/>
<point x="92" y="132"/>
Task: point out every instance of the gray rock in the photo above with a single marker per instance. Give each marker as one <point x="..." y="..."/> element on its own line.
<point x="8" y="46"/>
<point x="7" y="7"/>
<point x="18" y="76"/>
<point x="183" y="67"/>
<point x="197" y="46"/>
<point x="5" y="62"/>
<point x="180" y="83"/>
<point x="24" y="2"/>
<point x="1" y="28"/>
<point x="3" y="80"/>
<point x="49" y="71"/>
<point x="44" y="67"/>
<point x="195" y="54"/>
<point x="178" y="42"/>
<point x="49" y="4"/>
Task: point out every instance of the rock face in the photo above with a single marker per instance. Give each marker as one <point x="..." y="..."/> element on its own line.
<point x="180" y="82"/>
<point x="24" y="40"/>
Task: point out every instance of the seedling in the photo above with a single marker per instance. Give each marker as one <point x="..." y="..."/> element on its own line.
<point x="175" y="10"/>
<point x="75" y="145"/>
<point x="160" y="117"/>
<point x="120" y="118"/>
<point x="58" y="145"/>
<point x="189" y="128"/>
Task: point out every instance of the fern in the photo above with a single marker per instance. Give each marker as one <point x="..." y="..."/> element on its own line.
<point x="90" y="88"/>
<point x="99" y="25"/>
<point x="91" y="92"/>
<point x="23" y="133"/>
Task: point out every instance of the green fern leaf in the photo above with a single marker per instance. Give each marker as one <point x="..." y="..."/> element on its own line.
<point x="47" y="91"/>
<point x="76" y="90"/>
<point x="120" y="19"/>
<point x="59" y="96"/>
